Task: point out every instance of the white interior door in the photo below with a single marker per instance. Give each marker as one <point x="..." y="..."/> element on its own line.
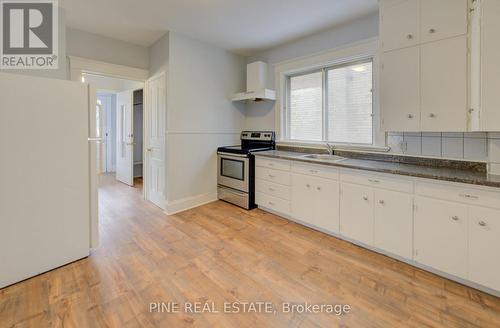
<point x="100" y="133"/>
<point x="155" y="111"/>
<point x="125" y="138"/>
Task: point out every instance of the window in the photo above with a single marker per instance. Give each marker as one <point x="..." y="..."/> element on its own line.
<point x="333" y="104"/>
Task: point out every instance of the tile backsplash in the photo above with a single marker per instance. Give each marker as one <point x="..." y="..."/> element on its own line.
<point x="470" y="146"/>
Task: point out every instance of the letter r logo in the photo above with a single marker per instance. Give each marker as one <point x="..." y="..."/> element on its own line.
<point x="27" y="27"/>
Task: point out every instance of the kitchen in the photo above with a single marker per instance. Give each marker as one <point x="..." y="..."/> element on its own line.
<point x="355" y="166"/>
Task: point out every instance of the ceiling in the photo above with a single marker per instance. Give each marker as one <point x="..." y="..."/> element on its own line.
<point x="241" y="26"/>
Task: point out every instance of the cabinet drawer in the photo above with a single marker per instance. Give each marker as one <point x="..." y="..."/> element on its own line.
<point x="316" y="170"/>
<point x="379" y="181"/>
<point x="273" y="163"/>
<point x="272" y="203"/>
<point x="272" y="189"/>
<point x="459" y="193"/>
<point x="276" y="176"/>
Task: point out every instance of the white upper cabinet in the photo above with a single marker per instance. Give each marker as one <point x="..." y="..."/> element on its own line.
<point x="444" y="85"/>
<point x="399" y="25"/>
<point x="484" y="246"/>
<point x="485" y="68"/>
<point x="441" y="19"/>
<point x="440" y="232"/>
<point x="400" y="90"/>
<point x="424" y="84"/>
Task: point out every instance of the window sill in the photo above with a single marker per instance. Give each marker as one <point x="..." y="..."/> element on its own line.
<point x="337" y="146"/>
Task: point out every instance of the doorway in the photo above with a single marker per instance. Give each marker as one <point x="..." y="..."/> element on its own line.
<point x="120" y="127"/>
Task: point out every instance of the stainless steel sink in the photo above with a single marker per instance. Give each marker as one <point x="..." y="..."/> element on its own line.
<point x="325" y="157"/>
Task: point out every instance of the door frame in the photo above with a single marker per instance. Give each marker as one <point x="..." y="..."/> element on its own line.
<point x="145" y="130"/>
<point x="79" y="66"/>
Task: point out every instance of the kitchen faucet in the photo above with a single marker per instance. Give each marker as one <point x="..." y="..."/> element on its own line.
<point x="330" y="148"/>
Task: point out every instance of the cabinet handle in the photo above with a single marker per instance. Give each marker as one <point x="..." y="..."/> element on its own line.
<point x="455" y="218"/>
<point x="409" y="36"/>
<point x="308" y="185"/>
<point x="381" y="202"/>
<point x="313" y="171"/>
<point x="374" y="181"/>
<point x="318" y="188"/>
<point x="432" y="31"/>
<point x="271" y="176"/>
<point x="482" y="223"/>
<point x="432" y="115"/>
<point x="365" y="198"/>
<point x="410" y="116"/>
<point x="271" y="189"/>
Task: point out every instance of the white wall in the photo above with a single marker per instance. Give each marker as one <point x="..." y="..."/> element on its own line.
<point x="100" y="48"/>
<point x="200" y="117"/>
<point x="158" y="56"/>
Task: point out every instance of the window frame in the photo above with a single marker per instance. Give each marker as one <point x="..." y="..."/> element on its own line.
<point x="324" y="69"/>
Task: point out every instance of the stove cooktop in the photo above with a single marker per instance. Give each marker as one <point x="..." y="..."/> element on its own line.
<point x="244" y="150"/>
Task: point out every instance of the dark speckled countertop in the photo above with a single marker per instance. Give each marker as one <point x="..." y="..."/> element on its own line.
<point x="412" y="170"/>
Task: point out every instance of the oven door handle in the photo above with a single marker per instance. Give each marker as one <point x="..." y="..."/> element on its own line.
<point x="232" y="155"/>
<point x="233" y="191"/>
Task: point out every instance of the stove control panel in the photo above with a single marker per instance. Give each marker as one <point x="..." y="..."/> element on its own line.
<point x="257" y="135"/>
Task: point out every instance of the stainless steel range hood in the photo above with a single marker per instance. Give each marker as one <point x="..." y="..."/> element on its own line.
<point x="256" y="84"/>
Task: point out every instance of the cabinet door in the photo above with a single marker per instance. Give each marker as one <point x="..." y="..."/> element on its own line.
<point x="444" y="85"/>
<point x="441" y="19"/>
<point x="475" y="67"/>
<point x="356" y="213"/>
<point x="400" y="90"/>
<point x="440" y="235"/>
<point x="399" y="25"/>
<point x="326" y="206"/>
<point x="484" y="246"/>
<point x="393" y="222"/>
<point x="302" y="198"/>
<point x="490" y="68"/>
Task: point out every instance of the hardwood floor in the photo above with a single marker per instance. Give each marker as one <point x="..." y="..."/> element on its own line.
<point x="220" y="253"/>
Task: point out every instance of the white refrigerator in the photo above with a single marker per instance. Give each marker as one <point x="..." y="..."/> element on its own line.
<point x="48" y="178"/>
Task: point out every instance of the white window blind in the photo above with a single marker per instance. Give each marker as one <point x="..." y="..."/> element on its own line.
<point x="333" y="104"/>
<point x="306" y="107"/>
<point x="350" y="104"/>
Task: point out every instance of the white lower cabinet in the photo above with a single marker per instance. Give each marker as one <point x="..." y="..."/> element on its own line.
<point x="356" y="212"/>
<point x="302" y="198"/>
<point x="484" y="246"/>
<point x="315" y="201"/>
<point x="452" y="228"/>
<point x="440" y="232"/>
<point x="393" y="222"/>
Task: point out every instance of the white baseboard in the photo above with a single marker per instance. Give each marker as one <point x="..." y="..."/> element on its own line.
<point x="187" y="203"/>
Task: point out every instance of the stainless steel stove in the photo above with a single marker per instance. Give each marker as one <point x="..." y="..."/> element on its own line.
<point x="236" y="168"/>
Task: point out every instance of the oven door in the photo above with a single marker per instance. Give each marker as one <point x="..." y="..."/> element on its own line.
<point x="233" y="171"/>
